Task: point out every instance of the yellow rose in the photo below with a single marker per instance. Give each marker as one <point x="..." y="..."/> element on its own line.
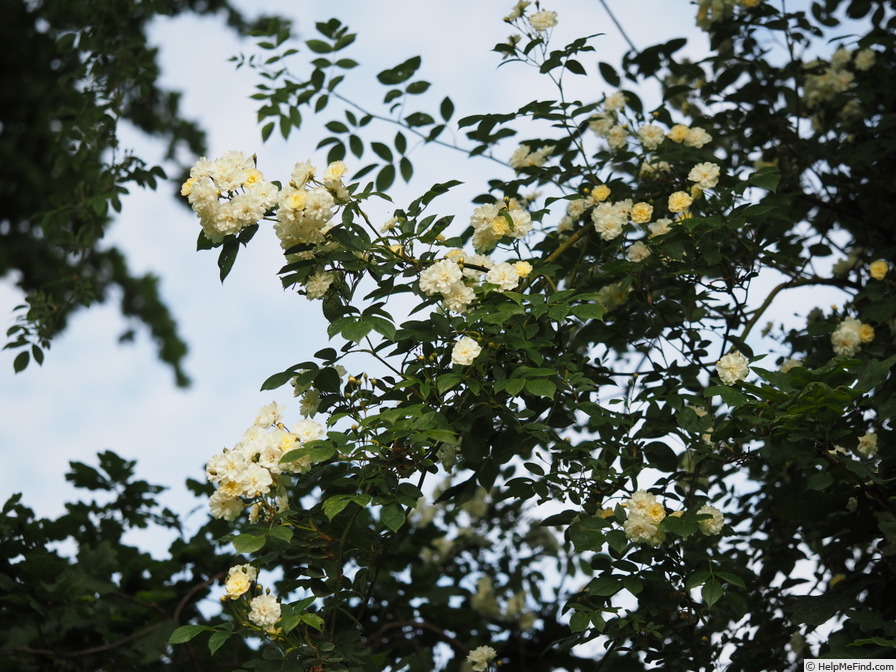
<point x="600" y="193"/>
<point x="866" y="333"/>
<point x="679" y="201"/>
<point x="641" y="213"/>
<point x="678" y="133"/>
<point x="523" y="268"/>
<point x="879" y="269"/>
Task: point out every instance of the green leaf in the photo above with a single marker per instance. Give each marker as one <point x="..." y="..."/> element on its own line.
<point x="661" y="456"/>
<point x="400" y="73"/>
<point x="729" y="395"/>
<point x="712" y="591"/>
<point x="733" y="579"/>
<point x="406" y="168"/>
<point x="335" y="504"/>
<point x="314" y="621"/>
<point x="382" y="151"/>
<point x="320" y="451"/>
<point x="605" y="586"/>
<point x="319" y="46"/>
<point x="20" y="363"/>
<point x="447" y="381"/>
<point x="401" y="143"/>
<point x="419" y="119"/>
<point x="818" y="609"/>
<point x="227" y="256"/>
<point x="575" y="67"/>
<point x="381" y="325"/>
<point x="766" y="178"/>
<point x="446" y="109"/>
<point x="820" y="480"/>
<point x="541" y="387"/>
<point x="277" y="380"/>
<point x="588" y="311"/>
<point x="417" y="87"/>
<point x="186" y="632"/>
<point x="356" y="330"/>
<point x="874" y="373"/>
<point x="385" y="178"/>
<point x="249" y="543"/>
<point x="609" y="74"/>
<point x="216" y="641"/>
<point x="579" y="622"/>
<point x="617" y="540"/>
<point x="282" y="533"/>
<point x="679" y="526"/>
<point x="393" y="516"/>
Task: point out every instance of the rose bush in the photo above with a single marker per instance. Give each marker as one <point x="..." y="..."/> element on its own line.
<point x="515" y="469"/>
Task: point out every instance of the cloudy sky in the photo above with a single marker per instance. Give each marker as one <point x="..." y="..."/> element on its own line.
<point x="93" y="395"/>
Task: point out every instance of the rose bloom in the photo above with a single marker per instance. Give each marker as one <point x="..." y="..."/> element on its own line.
<point x="600" y="193"/>
<point x="614" y="101"/>
<point x="659" y="227"/>
<point x="706" y="175"/>
<point x="841" y="57"/>
<point x="575" y="208"/>
<point x="865" y="59"/>
<point x="617" y="137"/>
<point x="317" y="285"/>
<point x="523" y="268"/>
<point x="440" y="276"/>
<point x="712" y="525"/>
<point x="517" y="10"/>
<point x="639" y="528"/>
<point x="867" y="445"/>
<point x="465" y="351"/>
<point x="679" y="201"/>
<point x="866" y="333"/>
<point x="239" y="578"/>
<point x="458" y="297"/>
<point x="264" y="611"/>
<point x="541" y="21"/>
<point x="641" y="213"/>
<point x="504" y="275"/>
<point x="651" y="136"/>
<point x="847" y="337"/>
<point x="479" y="658"/>
<point x="638" y="251"/>
<point x="678" y="133"/>
<point x="733" y="368"/>
<point x="335" y="171"/>
<point x="697" y="137"/>
<point x="601" y="124"/>
<point x="879" y="269"/>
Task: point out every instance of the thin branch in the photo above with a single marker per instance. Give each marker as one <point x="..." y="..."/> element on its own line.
<point x="456" y="644"/>
<point x="411" y="129"/>
<point x="618" y="25"/>
<point x="87" y="652"/>
<point x="563" y="247"/>
<point x="195" y="589"/>
<point x="799" y="282"/>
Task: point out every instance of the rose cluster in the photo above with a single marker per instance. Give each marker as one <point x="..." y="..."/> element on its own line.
<point x="644" y="513"/>
<point x="228" y="194"/>
<point x="251" y="473"/>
